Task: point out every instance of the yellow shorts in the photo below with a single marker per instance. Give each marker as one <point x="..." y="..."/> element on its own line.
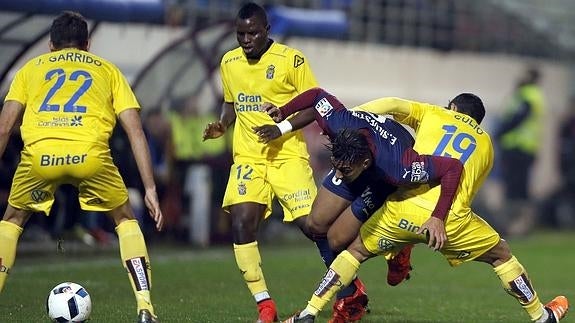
<point x="291" y="181"/>
<point x="396" y="223"/>
<point x="46" y="165"/>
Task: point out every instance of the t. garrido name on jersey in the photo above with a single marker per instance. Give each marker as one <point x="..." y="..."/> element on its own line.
<point x="248" y="102"/>
<point x="74" y="57"/>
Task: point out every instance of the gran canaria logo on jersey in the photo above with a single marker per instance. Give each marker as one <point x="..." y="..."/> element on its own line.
<point x="270" y="72"/>
<point x="248" y="102"/>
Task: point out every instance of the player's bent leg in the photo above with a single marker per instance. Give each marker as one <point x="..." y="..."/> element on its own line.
<point x="352" y="301"/>
<point x="516" y="283"/>
<point x="515" y="280"/>
<point x="11" y="228"/>
<point x="134" y="255"/>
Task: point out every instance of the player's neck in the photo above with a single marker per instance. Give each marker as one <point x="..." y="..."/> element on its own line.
<point x="263" y="51"/>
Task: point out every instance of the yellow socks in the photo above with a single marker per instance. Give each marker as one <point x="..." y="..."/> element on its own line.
<point x="517" y="284"/>
<point x="340" y="274"/>
<point x="9" y="234"/>
<point x="135" y="259"/>
<point x="249" y="262"/>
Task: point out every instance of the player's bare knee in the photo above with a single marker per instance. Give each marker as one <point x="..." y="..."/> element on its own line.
<point x="314" y="228"/>
<point x="336" y="244"/>
<point x="15" y="216"/>
<point x="358" y="250"/>
<point x="121" y="213"/>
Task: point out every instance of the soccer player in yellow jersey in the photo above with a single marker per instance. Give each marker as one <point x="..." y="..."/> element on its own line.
<point x="71" y="99"/>
<point x="257" y="71"/>
<point x="453" y="132"/>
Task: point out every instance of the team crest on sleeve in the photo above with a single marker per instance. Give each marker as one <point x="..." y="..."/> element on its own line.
<point x="323" y="107"/>
<point x="270" y="72"/>
<point x="298" y="61"/>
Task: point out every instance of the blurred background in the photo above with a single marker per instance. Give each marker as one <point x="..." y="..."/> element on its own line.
<point x="424" y="50"/>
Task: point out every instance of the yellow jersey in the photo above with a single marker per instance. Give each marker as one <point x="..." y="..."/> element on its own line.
<point x="279" y="75"/>
<point x="70" y="94"/>
<point x="443" y="132"/>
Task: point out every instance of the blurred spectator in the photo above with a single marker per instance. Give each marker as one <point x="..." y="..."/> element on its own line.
<point x="518" y="137"/>
<point x="559" y="208"/>
<point x="157" y="130"/>
<point x="198" y="169"/>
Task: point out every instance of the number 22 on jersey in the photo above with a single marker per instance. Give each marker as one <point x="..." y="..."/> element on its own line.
<point x="83" y="80"/>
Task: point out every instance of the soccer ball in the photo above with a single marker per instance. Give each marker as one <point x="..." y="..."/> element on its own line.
<point x="69" y="302"/>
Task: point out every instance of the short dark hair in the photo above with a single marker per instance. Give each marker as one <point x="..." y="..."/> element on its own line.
<point x="69" y="29"/>
<point x="349" y="145"/>
<point x="251" y="9"/>
<point x="469" y="104"/>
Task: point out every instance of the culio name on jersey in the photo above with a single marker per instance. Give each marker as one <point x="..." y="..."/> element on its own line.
<point x="470" y="121"/>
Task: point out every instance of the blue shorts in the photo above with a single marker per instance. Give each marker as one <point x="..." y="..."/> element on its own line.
<point x="366" y="193"/>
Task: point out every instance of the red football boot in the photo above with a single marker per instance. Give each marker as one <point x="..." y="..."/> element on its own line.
<point x="399" y="266"/>
<point x="352" y="308"/>
<point x="267" y="312"/>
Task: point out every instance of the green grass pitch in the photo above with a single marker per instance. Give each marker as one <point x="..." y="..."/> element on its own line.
<point x="205" y="286"/>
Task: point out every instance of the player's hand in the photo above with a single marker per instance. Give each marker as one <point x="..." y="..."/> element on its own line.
<point x="153" y="205"/>
<point x="434" y="229"/>
<point x="267" y="132"/>
<point x="274" y="112"/>
<point x="214" y="130"/>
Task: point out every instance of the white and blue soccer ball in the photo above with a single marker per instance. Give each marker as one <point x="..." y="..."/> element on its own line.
<point x="69" y="302"/>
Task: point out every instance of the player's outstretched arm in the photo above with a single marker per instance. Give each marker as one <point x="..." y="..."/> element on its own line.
<point x="218" y="128"/>
<point x="385" y="106"/>
<point x="132" y="124"/>
<point x="268" y="132"/>
<point x="10" y="114"/>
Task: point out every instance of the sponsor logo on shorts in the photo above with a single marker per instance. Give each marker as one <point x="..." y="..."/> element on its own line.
<point x="331" y="278"/>
<point x="418" y="172"/>
<point x="94" y="201"/>
<point x="367" y="197"/>
<point x="4" y="269"/>
<point x="463" y="254"/>
<point x="270" y="72"/>
<point x="242" y="189"/>
<point x="407" y="225"/>
<point x="39" y="195"/>
<point x="385" y="245"/>
<point x="297" y="196"/>
<point x="54" y="160"/>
